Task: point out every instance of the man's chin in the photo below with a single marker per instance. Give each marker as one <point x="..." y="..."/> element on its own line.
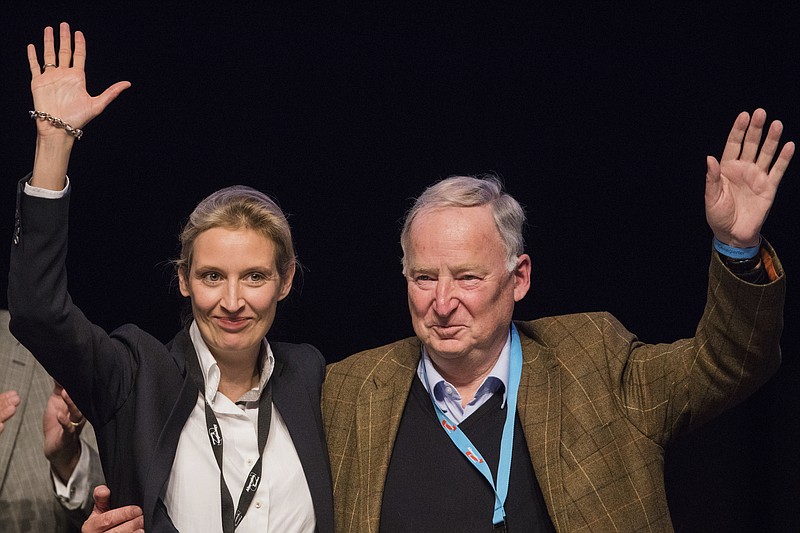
<point x="446" y="348"/>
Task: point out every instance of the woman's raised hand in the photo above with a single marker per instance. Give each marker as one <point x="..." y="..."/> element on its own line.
<point x="58" y="84"/>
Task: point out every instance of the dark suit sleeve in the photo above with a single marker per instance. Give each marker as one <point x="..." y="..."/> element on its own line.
<point x="80" y="355"/>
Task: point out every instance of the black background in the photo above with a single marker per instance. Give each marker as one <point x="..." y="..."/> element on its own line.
<point x="598" y="117"/>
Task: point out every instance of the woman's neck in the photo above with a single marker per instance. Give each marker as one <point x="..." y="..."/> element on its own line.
<point x="238" y="374"/>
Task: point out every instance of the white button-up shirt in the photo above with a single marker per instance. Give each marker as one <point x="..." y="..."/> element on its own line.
<point x="192" y="495"/>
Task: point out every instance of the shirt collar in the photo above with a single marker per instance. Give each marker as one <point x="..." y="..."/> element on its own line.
<point x="211" y="373"/>
<point x="499" y="371"/>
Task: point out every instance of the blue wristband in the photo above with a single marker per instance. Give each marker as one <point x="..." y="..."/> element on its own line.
<point x="737" y="253"/>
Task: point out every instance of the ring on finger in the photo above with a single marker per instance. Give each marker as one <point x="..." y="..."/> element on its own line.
<point x="44" y="67"/>
<point x="76" y="424"/>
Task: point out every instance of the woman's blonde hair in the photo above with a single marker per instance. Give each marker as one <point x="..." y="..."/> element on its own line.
<point x="239" y="207"/>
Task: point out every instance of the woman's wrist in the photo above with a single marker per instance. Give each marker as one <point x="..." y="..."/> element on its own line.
<point x="51" y="160"/>
<point x="45" y="122"/>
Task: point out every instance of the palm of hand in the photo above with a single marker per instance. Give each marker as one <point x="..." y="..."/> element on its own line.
<point x="61" y="92"/>
<point x="60" y="89"/>
<point x="739" y="206"/>
<point x="741" y="187"/>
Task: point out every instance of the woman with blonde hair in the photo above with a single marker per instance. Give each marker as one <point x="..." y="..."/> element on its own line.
<point x="217" y="430"/>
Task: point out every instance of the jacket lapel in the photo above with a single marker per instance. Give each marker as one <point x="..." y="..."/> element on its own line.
<point x="379" y="409"/>
<point x="293" y="402"/>
<point x="539" y="405"/>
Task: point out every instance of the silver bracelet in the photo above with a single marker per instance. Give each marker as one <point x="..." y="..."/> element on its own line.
<point x="58" y="123"/>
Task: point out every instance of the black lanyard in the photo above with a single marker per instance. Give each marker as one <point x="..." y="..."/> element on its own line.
<point x="230" y="520"/>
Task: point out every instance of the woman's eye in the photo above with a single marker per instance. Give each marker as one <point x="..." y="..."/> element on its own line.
<point x="211" y="276"/>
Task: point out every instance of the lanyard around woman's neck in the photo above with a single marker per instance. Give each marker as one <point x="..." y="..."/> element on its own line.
<point x="469" y="450"/>
<point x="231" y="520"/>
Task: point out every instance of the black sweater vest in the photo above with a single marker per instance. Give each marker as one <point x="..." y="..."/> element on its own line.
<point x="432" y="487"/>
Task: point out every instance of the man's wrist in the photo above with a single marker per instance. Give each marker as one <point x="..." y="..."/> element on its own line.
<point x="73" y="492"/>
<point x="63" y="465"/>
<point x="736" y="252"/>
<point x="744" y="263"/>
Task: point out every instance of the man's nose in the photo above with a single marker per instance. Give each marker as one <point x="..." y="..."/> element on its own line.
<point x="446" y="299"/>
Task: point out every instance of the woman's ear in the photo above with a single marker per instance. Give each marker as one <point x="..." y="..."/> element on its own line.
<point x="286" y="282"/>
<point x="183" y="283"/>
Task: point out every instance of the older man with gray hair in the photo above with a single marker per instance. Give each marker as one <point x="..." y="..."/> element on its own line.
<point x="559" y="424"/>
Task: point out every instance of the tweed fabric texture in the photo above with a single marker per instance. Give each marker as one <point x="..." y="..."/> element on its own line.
<point x="597" y="405"/>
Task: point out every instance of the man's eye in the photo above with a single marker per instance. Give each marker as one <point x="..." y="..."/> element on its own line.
<point x="256" y="277"/>
<point x="468" y="280"/>
<point x="424" y="281"/>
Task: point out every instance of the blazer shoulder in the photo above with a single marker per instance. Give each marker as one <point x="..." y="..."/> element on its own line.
<point x="405" y="352"/>
<point x="303" y="354"/>
<point x="303" y="360"/>
<point x="551" y="331"/>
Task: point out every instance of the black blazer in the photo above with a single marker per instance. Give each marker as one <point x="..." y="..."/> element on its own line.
<point x="135" y="390"/>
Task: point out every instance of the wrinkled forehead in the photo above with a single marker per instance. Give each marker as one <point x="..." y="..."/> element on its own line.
<point x="454" y="222"/>
<point x="456" y="236"/>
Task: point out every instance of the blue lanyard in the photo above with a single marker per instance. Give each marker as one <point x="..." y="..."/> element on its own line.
<point x="469" y="450"/>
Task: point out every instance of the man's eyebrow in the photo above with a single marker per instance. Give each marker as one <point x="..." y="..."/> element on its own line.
<point x="458" y="269"/>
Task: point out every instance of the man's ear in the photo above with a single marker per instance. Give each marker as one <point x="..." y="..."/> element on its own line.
<point x="522" y="277"/>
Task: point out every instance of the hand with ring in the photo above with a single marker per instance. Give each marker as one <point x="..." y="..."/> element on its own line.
<point x="58" y="83"/>
<point x="62" y="424"/>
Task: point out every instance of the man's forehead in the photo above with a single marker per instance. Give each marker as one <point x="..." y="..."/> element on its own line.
<point x="443" y="221"/>
<point x="454" y="239"/>
<point x="442" y="266"/>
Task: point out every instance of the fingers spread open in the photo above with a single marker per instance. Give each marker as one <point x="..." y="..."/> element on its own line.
<point x="49" y="55"/>
<point x="108" y="96"/>
<point x="782" y="163"/>
<point x="33" y="61"/>
<point x="713" y="182"/>
<point x="79" y="56"/>
<point x="753" y="137"/>
<point x="64" y="46"/>
<point x="712" y="172"/>
<point x="733" y="146"/>
<point x="770" y="146"/>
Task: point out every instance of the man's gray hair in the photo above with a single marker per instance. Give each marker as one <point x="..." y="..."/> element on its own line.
<point x="472" y="191"/>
